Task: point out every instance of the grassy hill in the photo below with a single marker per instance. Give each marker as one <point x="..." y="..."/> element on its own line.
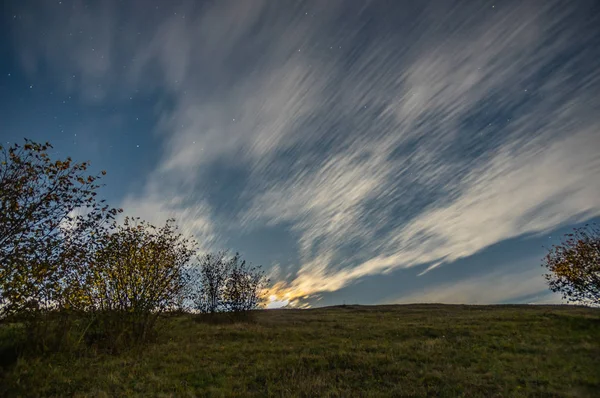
<point x="408" y="350"/>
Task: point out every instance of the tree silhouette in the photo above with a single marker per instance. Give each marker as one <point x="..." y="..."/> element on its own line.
<point x="244" y="286"/>
<point x="213" y="271"/>
<point x="228" y="283"/>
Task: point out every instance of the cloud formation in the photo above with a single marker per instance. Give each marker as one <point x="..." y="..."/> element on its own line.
<point x="381" y="137"/>
<point x="491" y="288"/>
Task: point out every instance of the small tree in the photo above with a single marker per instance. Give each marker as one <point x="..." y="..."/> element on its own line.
<point x="244" y="287"/>
<point x="574" y="266"/>
<point x="38" y="200"/>
<point x="213" y="271"/>
<point x="228" y="284"/>
<point x="137" y="272"/>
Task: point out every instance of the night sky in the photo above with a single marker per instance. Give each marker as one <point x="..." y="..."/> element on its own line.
<point x="361" y="151"/>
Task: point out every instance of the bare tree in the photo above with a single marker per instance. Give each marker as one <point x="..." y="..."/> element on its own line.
<point x="228" y="283"/>
<point x="213" y="271"/>
<point x="244" y="287"/>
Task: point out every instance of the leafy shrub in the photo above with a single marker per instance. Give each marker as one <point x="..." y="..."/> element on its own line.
<point x="39" y="231"/>
<point x="136" y="273"/>
<point x="574" y="266"/>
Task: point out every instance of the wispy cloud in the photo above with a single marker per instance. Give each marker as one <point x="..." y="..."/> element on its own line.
<point x="381" y="138"/>
<point x="497" y="287"/>
<point x="491" y="181"/>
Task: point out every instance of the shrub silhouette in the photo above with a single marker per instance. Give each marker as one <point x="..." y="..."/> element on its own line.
<point x="244" y="286"/>
<point x="228" y="284"/>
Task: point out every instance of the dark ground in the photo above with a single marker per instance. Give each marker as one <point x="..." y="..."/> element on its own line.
<point x="404" y="350"/>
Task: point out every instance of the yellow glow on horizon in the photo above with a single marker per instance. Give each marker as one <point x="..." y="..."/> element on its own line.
<point x="282" y="292"/>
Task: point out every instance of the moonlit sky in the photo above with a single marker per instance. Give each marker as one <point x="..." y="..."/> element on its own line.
<point x="361" y="151"/>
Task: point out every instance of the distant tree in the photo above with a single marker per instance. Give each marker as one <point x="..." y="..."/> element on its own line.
<point x="228" y="283"/>
<point x="574" y="266"/>
<point x="137" y="272"/>
<point x="244" y="286"/>
<point x="39" y="198"/>
<point x="213" y="271"/>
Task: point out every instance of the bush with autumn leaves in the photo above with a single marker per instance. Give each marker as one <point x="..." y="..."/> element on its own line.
<point x="574" y="266"/>
<point x="71" y="273"/>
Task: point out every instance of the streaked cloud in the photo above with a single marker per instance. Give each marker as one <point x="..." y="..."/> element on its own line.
<point x="380" y="138"/>
<point x="491" y="288"/>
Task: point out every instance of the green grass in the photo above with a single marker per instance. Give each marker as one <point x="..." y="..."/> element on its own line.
<point x="411" y="350"/>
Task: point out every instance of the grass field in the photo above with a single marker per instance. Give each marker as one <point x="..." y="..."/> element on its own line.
<point x="409" y="350"/>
